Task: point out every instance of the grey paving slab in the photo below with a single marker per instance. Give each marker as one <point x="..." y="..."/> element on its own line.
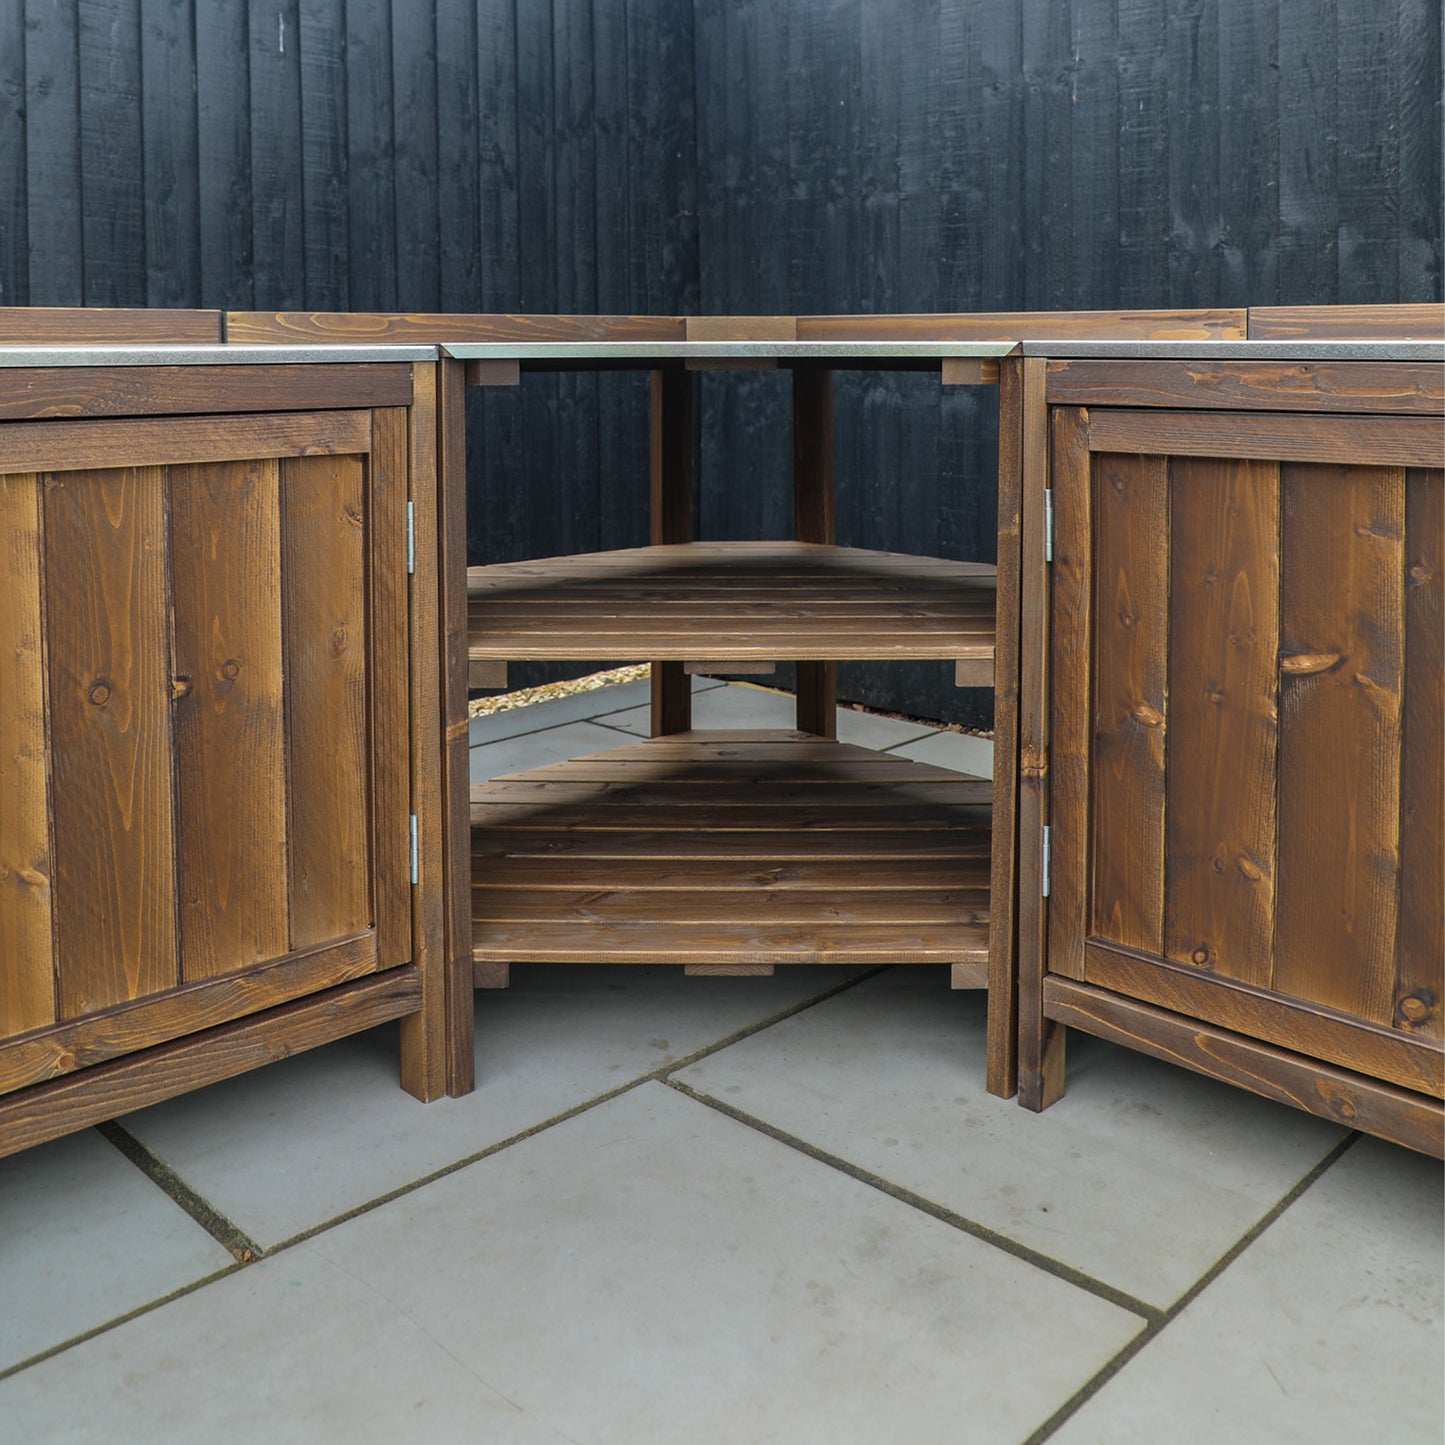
<point x="537" y="750"/>
<point x="294" y="1350"/>
<point x="295" y="1144"/>
<point x="1142" y="1176"/>
<point x="741" y="705"/>
<point x="1325" y="1331"/>
<point x="962" y="752"/>
<point x="653" y="1271"/>
<point x="576" y="708"/>
<point x="85" y="1237"/>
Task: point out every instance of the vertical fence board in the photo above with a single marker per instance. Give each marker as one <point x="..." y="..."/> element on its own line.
<point x="1420" y="952"/>
<point x="111" y="160"/>
<point x="459" y="173"/>
<point x="230" y="741"/>
<point x="54" y="199"/>
<point x="1247" y="132"/>
<point x="1223" y="730"/>
<point x="276" y="158"/>
<point x="1341" y="645"/>
<point x="1131" y="685"/>
<point x="1142" y="257"/>
<point x="223" y="103"/>
<point x="370" y="157"/>
<point x="324" y="626"/>
<point x="322" y="34"/>
<point x="169" y="141"/>
<point x="109" y="651"/>
<point x="14" y="181"/>
<point x="418" y="205"/>
<point x="1308" y="126"/>
<point x="27" y="968"/>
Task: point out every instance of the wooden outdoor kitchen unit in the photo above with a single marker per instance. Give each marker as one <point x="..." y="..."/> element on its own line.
<point x="1213" y="631"/>
<point x="219" y="720"/>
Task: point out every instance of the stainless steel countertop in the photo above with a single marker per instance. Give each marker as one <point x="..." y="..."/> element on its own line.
<point x="723" y="350"/>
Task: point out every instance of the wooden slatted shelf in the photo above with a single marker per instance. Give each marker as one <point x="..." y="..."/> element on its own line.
<point x="732" y="602"/>
<point x="716" y="849"/>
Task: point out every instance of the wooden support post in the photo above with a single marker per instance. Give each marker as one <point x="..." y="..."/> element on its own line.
<point x="1040" y="1040"/>
<point x="671" y="523"/>
<point x="814" y="520"/>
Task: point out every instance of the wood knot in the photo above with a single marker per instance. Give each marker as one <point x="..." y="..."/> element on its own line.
<point x="338" y="642"/>
<point x="1200" y="956"/>
<point x="1146" y="716"/>
<point x="231" y="669"/>
<point x="1338" y="1100"/>
<point x="1420" y="573"/>
<point x="180" y="686"/>
<point x="99" y="693"/>
<point x="1414" y="1009"/>
<point x="1306" y="664"/>
<point x="1127" y="620"/>
<point x="1248" y="870"/>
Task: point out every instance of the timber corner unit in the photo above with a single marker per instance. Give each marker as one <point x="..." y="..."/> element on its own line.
<point x="1231" y="719"/>
<point x="220" y="721"/>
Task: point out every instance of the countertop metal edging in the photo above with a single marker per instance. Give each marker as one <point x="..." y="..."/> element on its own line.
<point x="723" y="350"/>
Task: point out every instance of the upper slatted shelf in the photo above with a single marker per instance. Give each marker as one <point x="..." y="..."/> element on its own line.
<point x="732" y="602"/>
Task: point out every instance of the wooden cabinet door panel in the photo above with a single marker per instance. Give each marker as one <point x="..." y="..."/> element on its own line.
<point x="1248" y="749"/>
<point x="204" y="767"/>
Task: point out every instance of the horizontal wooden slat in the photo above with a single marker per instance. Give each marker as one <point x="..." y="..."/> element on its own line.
<point x="777" y="849"/>
<point x="1218" y="324"/>
<point x="339" y="328"/>
<point x="733" y="602"/>
<point x="1407" y="441"/>
<point x="1331" y="1093"/>
<point x="1380" y="386"/>
<point x="146" y="442"/>
<point x="51" y="1052"/>
<point x="75" y="391"/>
<point x="44" y="1111"/>
<point x="1308" y="1029"/>
<point x="1421" y="321"/>
<point x="669" y="942"/>
<point x="107" y="326"/>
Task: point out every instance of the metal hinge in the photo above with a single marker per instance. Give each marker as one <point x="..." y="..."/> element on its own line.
<point x="1049" y="525"/>
<point x="1048" y="851"/>
<point x="410" y="537"/>
<point x="415" y="869"/>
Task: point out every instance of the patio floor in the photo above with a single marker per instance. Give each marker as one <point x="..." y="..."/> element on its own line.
<point x="719" y="1210"/>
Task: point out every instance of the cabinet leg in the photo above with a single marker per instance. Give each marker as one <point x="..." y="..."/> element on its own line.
<point x="671" y="524"/>
<point x="1041" y="1066"/>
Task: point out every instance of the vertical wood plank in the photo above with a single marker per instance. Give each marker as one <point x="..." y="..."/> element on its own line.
<point x="14" y="221"/>
<point x="169" y="139"/>
<point x="52" y="153"/>
<point x="671" y="522"/>
<point x="1223" y="725"/>
<point x="436" y="1041"/>
<point x="370" y="157"/>
<point x="390" y="730"/>
<point x="1047" y="926"/>
<point x="417" y="215"/>
<point x="109" y="651"/>
<point x="223" y="136"/>
<point x="1341" y="644"/>
<point x="27" y="966"/>
<point x="324" y="625"/>
<point x="1131" y="639"/>
<point x="1420" y="950"/>
<point x="276" y="159"/>
<point x="112" y="218"/>
<point x="1002" y="1063"/>
<point x="814" y="520"/>
<point x="230" y="742"/>
<point x="323" y="153"/>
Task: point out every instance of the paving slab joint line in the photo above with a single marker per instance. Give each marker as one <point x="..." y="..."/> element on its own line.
<point x="1156" y="1326"/>
<point x="1065" y="1272"/>
<point x="136" y="1152"/>
<point x="229" y="1236"/>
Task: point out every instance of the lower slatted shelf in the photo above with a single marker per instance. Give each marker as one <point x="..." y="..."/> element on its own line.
<point x="732" y="848"/>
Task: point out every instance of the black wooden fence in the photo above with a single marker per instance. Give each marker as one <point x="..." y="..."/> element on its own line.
<point x="745" y="156"/>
